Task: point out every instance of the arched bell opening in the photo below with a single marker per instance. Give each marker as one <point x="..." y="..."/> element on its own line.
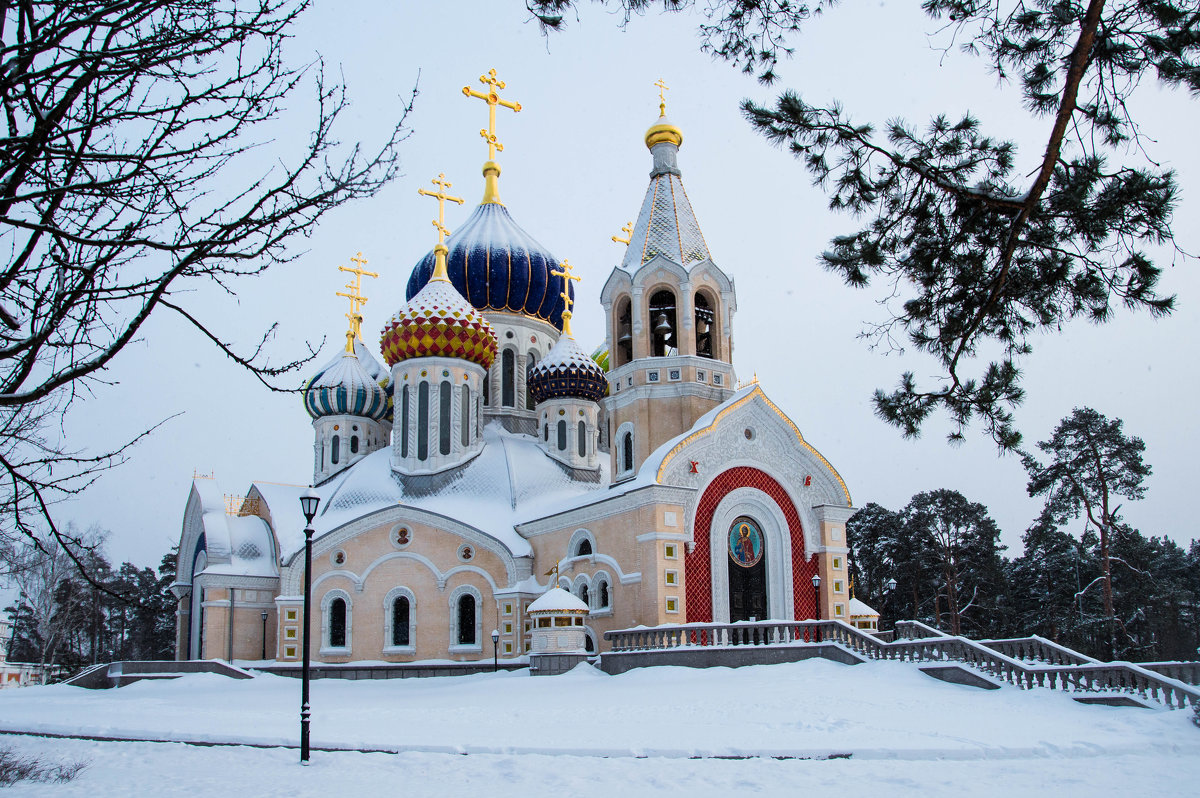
<point x="664" y="339"/>
<point x="623" y="349"/>
<point x="705" y="325"/>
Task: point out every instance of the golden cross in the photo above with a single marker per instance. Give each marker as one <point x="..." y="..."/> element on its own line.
<point x="493" y="99"/>
<point x="357" y="300"/>
<point x="567" y="275"/>
<point x="662" y="98"/>
<point x="441" y="196"/>
<point x="628" y="231"/>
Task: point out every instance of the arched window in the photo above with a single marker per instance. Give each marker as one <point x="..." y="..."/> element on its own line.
<point x="401" y="617"/>
<point x="335" y="450"/>
<point x="508" y="378"/>
<point x="589" y="643"/>
<point x="337" y="623"/>
<point x="581" y="435"/>
<point x="423" y="421"/>
<point x="705" y="320"/>
<point x="663" y="338"/>
<point x="602" y="595"/>
<point x="627" y="452"/>
<point x="353" y="444"/>
<point x="464" y="411"/>
<point x="466" y="620"/>
<point x="444" y="399"/>
<point x="531" y="360"/>
<point x="584" y="547"/>
<point x="562" y="436"/>
<point x="487" y="393"/>
<point x="546" y="432"/>
<point x="404" y="422"/>
<point x="624" y="342"/>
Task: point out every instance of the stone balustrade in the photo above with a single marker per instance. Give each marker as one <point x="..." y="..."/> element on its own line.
<point x="1050" y="665"/>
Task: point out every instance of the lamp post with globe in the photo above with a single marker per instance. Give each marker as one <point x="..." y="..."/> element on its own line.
<point x="308" y="505"/>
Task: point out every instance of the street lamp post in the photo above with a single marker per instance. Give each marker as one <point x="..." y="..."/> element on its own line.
<point x="495" y="650"/>
<point x="264" y="647"/>
<point x="308" y="505"/>
<point x="816" y="582"/>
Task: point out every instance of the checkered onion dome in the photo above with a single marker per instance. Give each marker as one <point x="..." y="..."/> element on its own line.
<point x="438" y="322"/>
<point x="344" y="388"/>
<point x="567" y="371"/>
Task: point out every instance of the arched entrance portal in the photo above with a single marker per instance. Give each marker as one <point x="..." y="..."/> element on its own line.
<point x="747" y="571"/>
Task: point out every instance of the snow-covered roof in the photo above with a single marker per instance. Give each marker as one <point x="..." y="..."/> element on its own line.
<point x="860" y="609"/>
<point x="510" y="481"/>
<point x="557" y="600"/>
<point x="252" y="553"/>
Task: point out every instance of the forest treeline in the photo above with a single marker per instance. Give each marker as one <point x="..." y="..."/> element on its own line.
<point x="65" y="620"/>
<point x="949" y="570"/>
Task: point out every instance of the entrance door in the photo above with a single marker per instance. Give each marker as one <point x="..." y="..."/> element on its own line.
<point x="747" y="572"/>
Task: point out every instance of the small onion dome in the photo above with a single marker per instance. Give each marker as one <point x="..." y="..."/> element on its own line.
<point x="498" y="266"/>
<point x="345" y="389"/>
<point x="557" y="601"/>
<point x="601" y="355"/>
<point x="437" y="322"/>
<point x="567" y="371"/>
<point x="663" y="130"/>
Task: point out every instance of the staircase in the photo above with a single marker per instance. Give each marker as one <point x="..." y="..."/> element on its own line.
<point x="1025" y="662"/>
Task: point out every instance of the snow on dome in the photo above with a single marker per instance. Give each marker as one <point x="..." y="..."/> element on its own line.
<point x="345" y="387"/>
<point x="558" y="600"/>
<point x="437" y="322"/>
<point x="498" y="266"/>
<point x="567" y="371"/>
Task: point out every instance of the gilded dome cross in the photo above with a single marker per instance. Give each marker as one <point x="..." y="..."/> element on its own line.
<point x="662" y="98"/>
<point x="567" y="274"/>
<point x="492" y="99"/>
<point x="441" y="196"/>
<point x="357" y="300"/>
<point x="628" y="231"/>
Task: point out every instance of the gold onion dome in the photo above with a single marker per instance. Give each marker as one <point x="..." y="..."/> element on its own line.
<point x="438" y="322"/>
<point x="663" y="130"/>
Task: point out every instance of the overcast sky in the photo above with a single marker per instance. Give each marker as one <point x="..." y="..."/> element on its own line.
<point x="574" y="171"/>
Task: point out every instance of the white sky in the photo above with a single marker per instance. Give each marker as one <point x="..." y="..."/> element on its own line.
<point x="574" y="170"/>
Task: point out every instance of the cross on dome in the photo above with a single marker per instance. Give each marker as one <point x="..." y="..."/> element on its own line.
<point x="439" y="268"/>
<point x="628" y="231"/>
<point x="357" y="300"/>
<point x="567" y="273"/>
<point x="491" y="169"/>
<point x="662" y="98"/>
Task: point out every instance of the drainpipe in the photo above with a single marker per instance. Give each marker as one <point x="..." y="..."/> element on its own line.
<point x="230" y="657"/>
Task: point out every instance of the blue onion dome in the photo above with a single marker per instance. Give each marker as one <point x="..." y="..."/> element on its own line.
<point x="498" y="266"/>
<point x="345" y="388"/>
<point x="567" y="371"/>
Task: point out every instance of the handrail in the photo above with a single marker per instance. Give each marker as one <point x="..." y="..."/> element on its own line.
<point x="987" y="656"/>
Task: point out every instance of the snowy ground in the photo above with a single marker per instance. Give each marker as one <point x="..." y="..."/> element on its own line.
<point x="586" y="733"/>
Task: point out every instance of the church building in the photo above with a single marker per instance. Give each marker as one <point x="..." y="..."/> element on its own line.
<point x="479" y="456"/>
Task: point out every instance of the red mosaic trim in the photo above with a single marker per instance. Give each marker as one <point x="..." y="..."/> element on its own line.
<point x="698" y="566"/>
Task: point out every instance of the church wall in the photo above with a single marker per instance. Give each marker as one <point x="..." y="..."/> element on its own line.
<point x="630" y="548"/>
<point x="368" y="567"/>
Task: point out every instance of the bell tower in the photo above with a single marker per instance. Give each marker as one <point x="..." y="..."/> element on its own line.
<point x="669" y="311"/>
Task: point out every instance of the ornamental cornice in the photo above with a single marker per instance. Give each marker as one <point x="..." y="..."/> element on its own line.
<point x="606" y="508"/>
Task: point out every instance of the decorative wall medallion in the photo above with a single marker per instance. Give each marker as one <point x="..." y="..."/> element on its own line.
<point x="401" y="537"/>
<point x="466" y="553"/>
<point x="745" y="543"/>
<point x="338" y="557"/>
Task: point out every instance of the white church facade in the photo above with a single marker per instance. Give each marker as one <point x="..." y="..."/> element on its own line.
<point x="480" y="457"/>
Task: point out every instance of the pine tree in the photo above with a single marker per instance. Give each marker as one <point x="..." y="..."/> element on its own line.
<point x="1091" y="464"/>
